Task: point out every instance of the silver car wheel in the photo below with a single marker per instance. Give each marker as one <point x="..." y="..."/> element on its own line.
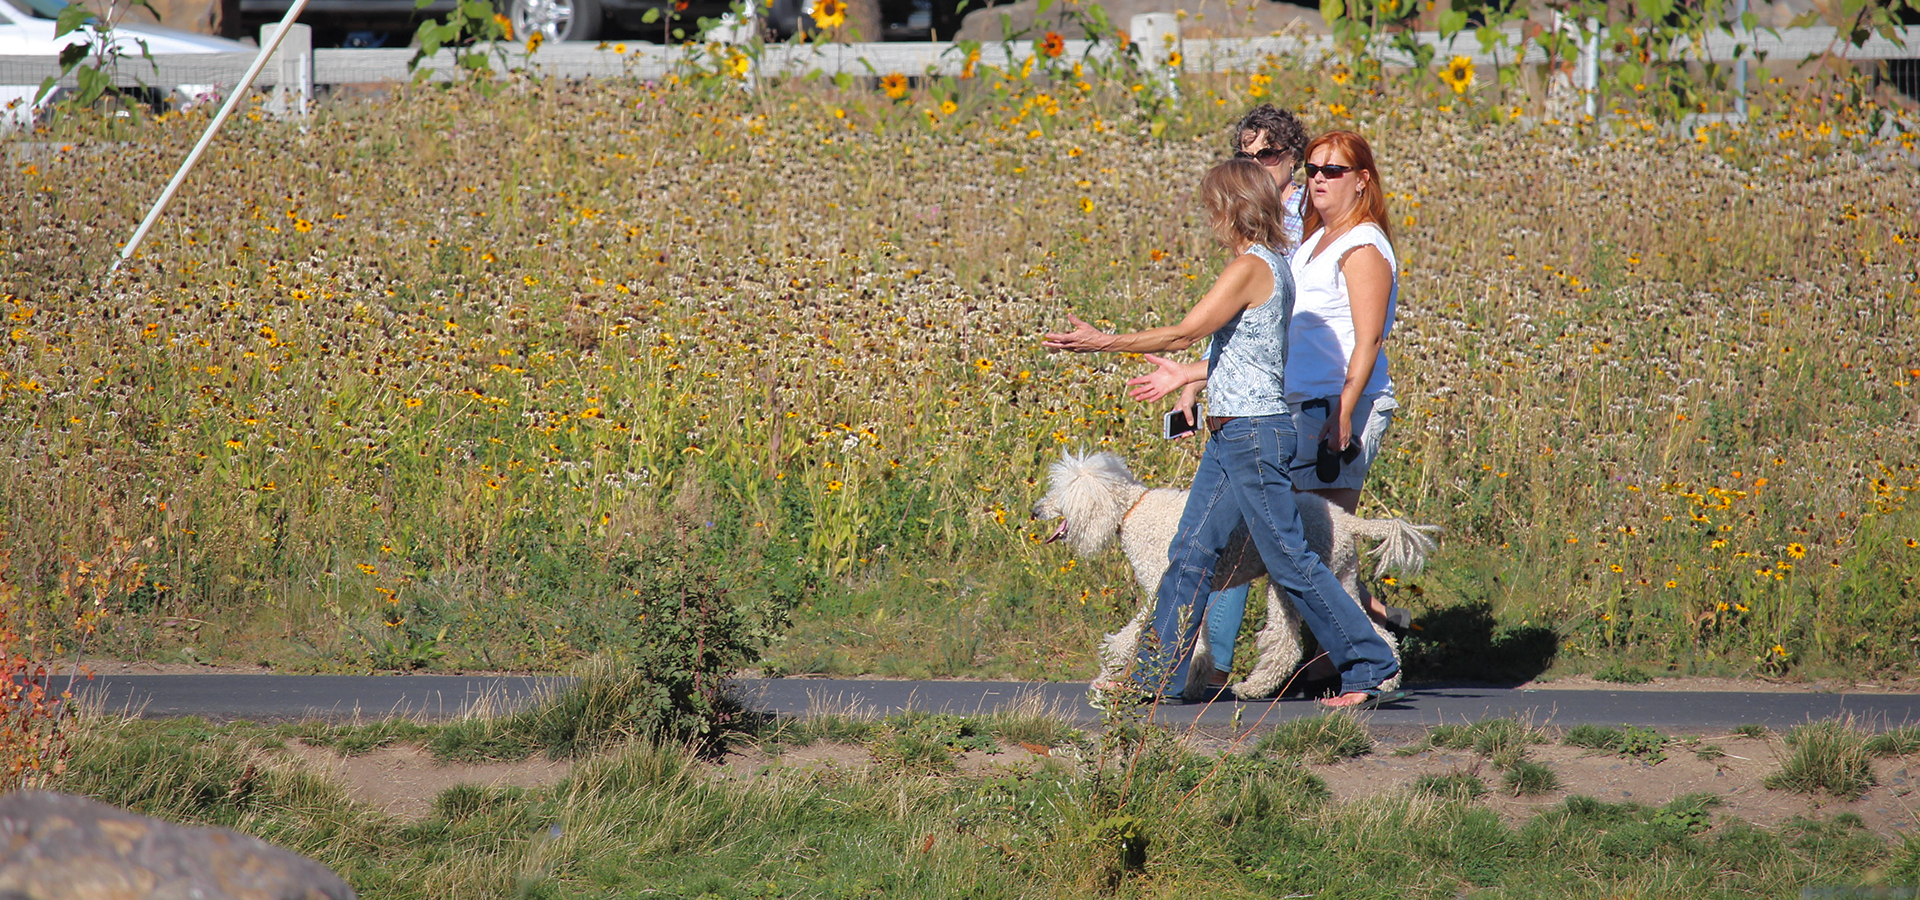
<point x="552" y="18"/>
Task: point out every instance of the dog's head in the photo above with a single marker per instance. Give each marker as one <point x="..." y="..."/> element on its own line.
<point x="1089" y="494"/>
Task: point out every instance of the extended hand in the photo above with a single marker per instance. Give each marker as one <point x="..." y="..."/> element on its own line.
<point x="1083" y="338"/>
<point x="1167" y="376"/>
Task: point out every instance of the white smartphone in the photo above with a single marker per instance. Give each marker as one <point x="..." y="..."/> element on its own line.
<point x="1180" y="423"/>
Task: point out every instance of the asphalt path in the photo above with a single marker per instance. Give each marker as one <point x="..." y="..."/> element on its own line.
<point x="354" y="697"/>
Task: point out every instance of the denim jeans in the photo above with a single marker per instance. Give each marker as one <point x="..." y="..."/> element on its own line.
<point x="1225" y="612"/>
<point x="1245" y="476"/>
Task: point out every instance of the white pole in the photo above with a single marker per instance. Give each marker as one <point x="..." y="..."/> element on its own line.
<point x="1590" y="66"/>
<point x="1740" y="65"/>
<point x="226" y="109"/>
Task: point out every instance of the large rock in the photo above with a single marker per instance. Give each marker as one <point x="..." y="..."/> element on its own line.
<point x="62" y="847"/>
<point x="1205" y="18"/>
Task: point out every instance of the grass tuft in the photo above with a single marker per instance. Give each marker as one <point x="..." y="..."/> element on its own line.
<point x="1456" y="786"/>
<point x="1527" y="778"/>
<point x="1320" y="739"/>
<point x="1504" y="741"/>
<point x="1900" y="741"/>
<point x="1828" y="757"/>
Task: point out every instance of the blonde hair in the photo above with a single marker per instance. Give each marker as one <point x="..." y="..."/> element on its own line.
<point x="1244" y="205"/>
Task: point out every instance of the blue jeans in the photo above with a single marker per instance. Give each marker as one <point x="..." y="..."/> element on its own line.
<point x="1245" y="475"/>
<point x="1225" y="611"/>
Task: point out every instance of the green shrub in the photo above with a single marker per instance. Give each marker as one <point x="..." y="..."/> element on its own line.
<point x="610" y="701"/>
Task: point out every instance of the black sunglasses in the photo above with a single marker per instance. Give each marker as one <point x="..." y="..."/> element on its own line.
<point x="1330" y="171"/>
<point x="1267" y="157"/>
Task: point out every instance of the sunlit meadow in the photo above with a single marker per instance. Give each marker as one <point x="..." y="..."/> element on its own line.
<point x="420" y="385"/>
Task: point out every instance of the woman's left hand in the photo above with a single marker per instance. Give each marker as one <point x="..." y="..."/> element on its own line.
<point x="1083" y="338"/>
<point x="1338" y="432"/>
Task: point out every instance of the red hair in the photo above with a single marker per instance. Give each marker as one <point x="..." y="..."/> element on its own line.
<point x="1373" y="200"/>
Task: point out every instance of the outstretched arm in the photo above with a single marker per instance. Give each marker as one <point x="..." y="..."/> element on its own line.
<point x="1246" y="282"/>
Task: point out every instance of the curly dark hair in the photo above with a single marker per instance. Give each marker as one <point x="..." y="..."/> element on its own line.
<point x="1282" y="130"/>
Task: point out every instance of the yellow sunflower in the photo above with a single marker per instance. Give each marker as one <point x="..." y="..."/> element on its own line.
<point x="895" y="84"/>
<point x="1458" y="74"/>
<point x="829" y="13"/>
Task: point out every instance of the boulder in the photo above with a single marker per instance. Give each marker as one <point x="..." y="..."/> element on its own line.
<point x="1204" y="19"/>
<point x="62" y="847"/>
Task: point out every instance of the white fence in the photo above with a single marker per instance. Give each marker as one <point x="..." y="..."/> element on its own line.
<point x="644" y="60"/>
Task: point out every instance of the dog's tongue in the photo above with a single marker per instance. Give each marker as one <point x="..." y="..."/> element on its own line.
<point x="1059" y="533"/>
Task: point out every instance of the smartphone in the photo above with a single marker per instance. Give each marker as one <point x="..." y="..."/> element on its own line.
<point x="1180" y="423"/>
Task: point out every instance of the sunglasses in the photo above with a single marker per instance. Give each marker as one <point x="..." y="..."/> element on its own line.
<point x="1330" y="171"/>
<point x="1267" y="157"/>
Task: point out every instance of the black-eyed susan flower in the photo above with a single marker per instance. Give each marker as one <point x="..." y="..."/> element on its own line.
<point x="1052" y="45"/>
<point x="895" y="84"/>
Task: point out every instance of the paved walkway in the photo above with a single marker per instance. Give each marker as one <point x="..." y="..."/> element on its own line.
<point x="345" y="697"/>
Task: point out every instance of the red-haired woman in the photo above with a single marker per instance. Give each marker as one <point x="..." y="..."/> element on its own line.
<point x="1347" y="289"/>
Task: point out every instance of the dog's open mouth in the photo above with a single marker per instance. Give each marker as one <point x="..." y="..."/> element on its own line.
<point x="1059" y="533"/>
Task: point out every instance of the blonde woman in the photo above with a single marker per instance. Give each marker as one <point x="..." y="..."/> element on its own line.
<point x="1246" y="467"/>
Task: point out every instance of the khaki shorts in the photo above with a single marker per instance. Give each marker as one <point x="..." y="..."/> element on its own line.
<point x="1375" y="411"/>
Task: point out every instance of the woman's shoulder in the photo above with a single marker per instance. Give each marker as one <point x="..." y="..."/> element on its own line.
<point x="1367" y="234"/>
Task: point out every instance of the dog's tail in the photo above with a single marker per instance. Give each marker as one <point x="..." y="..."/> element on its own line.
<point x="1403" y="547"/>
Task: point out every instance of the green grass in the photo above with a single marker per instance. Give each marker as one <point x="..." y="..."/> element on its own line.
<point x="1321" y="739"/>
<point x="1901" y="741"/>
<point x="1526" y="778"/>
<point x="1502" y="740"/>
<point x="641" y="819"/>
<point x="1632" y="741"/>
<point x="1828" y="757"/>
<point x="1455" y="786"/>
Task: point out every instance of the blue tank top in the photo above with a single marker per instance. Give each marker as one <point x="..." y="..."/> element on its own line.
<point x="1247" y="360"/>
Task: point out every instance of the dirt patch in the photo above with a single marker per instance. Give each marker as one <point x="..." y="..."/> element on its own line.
<point x="1890" y="809"/>
<point x="402" y="781"/>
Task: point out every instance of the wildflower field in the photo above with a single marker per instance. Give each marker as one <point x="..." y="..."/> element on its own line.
<point x="442" y="380"/>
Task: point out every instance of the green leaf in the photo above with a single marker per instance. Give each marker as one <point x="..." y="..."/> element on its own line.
<point x="649" y="17"/>
<point x="843" y="80"/>
<point x="93" y="83"/>
<point x="1629" y="74"/>
<point x="71" y="18"/>
<point x="46" y="87"/>
<point x="1041" y="9"/>
<point x="1452" y="21"/>
<point x="71" y="55"/>
<point x="1333" y="10"/>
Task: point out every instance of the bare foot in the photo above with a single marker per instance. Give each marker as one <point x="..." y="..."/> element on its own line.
<point x="1346" y="700"/>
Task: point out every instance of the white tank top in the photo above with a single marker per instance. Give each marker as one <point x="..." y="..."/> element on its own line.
<point x="1320" y="338"/>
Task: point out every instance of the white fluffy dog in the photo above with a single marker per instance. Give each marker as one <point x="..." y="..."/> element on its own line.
<point x="1097" y="498"/>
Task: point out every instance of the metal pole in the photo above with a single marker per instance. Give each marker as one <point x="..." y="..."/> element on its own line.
<point x="226" y="109"/>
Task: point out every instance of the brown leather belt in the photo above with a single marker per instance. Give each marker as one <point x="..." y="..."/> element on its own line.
<point x="1215" y="423"/>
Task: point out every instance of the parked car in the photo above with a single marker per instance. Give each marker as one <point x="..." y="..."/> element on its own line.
<point x="378" y="23"/>
<point x="26" y="29"/>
